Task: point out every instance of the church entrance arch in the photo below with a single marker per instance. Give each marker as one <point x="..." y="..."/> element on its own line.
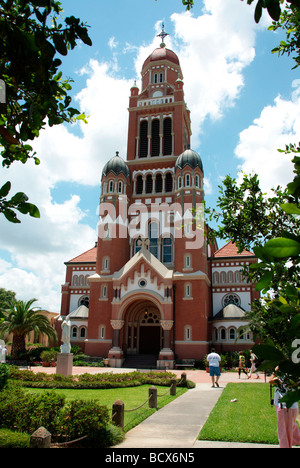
<point x="144" y="334"/>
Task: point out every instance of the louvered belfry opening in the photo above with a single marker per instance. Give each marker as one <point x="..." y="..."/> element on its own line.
<point x="167" y="142"/>
<point x="143" y="139"/>
<point x="155" y="140"/>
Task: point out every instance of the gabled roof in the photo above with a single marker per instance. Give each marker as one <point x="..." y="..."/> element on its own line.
<point x="231" y="250"/>
<point x="159" y="268"/>
<point x="87" y="257"/>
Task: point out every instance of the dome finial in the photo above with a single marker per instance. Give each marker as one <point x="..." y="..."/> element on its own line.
<point x="163" y="34"/>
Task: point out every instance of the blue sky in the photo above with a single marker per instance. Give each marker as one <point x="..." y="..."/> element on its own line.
<point x="244" y="104"/>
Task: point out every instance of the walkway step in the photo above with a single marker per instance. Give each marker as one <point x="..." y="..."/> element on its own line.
<point x="178" y="424"/>
<point x="140" y="361"/>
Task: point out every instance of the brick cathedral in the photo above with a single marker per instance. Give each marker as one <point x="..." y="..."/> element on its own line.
<point x="152" y="287"/>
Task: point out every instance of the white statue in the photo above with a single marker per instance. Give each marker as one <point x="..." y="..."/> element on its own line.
<point x="66" y="332"/>
<point x="3" y="354"/>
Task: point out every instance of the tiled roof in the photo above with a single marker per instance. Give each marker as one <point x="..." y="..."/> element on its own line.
<point x="86" y="257"/>
<point x="230" y="250"/>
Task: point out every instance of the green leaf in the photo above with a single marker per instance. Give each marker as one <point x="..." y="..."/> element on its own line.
<point x="265" y="281"/>
<point x="258" y="11"/>
<point x="268" y="353"/>
<point x="274" y="10"/>
<point x="282" y="247"/>
<point x="60" y="44"/>
<point x="290" y="208"/>
<point x="5" y="189"/>
<point x="10" y="215"/>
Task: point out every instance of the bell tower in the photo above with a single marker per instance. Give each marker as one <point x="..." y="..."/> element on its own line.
<point x="159" y="121"/>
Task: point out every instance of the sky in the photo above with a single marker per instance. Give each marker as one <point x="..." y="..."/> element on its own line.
<point x="244" y="103"/>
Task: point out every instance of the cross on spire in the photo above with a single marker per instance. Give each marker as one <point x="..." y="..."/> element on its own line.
<point x="163" y="34"/>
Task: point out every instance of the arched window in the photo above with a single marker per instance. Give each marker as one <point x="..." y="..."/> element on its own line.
<point x="215" y="277"/>
<point x="84" y="300"/>
<point x="223" y="334"/>
<point x="143" y="139"/>
<point x="158" y="187"/>
<point x="75" y="280"/>
<point x="102" y="332"/>
<point x="82" y="332"/>
<point x="232" y="333"/>
<point x="169" y="182"/>
<point x="231" y="299"/>
<point x="187" y="333"/>
<point x="223" y="277"/>
<point x="155" y="140"/>
<point x="137" y="245"/>
<point x="197" y="181"/>
<point x="167" y="142"/>
<point x="106" y="263"/>
<point x="153" y="237"/>
<point x="188" y="260"/>
<point x="111" y="186"/>
<point x="188" y="180"/>
<point x="74" y="332"/>
<point x="237" y="277"/>
<point x="120" y="187"/>
<point x="149" y="184"/>
<point x="167" y="250"/>
<point x="139" y="185"/>
<point x="187" y="290"/>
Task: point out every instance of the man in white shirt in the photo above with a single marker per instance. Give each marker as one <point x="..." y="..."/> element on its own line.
<point x="213" y="360"/>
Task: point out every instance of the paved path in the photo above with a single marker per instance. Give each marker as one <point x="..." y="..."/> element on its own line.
<point x="178" y="424"/>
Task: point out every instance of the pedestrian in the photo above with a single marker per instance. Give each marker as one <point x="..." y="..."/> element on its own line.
<point x="213" y="360"/>
<point x="254" y="361"/>
<point x="287" y="427"/>
<point x="242" y="362"/>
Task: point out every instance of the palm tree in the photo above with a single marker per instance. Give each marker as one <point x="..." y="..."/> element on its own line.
<point x="19" y="320"/>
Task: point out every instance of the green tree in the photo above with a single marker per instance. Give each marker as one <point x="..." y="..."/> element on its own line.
<point x="5" y="296"/>
<point x="20" y="318"/>
<point x="33" y="37"/>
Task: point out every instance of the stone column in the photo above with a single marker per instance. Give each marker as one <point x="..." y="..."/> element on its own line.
<point x="115" y="354"/>
<point x="166" y="354"/>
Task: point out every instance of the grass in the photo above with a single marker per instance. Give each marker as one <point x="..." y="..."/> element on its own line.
<point x="250" y="419"/>
<point x="132" y="398"/>
<point x="11" y="439"/>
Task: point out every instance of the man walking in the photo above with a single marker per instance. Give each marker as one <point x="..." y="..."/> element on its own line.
<point x="214" y="367"/>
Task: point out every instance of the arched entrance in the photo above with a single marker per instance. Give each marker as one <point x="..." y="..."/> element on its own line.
<point x="143" y="332"/>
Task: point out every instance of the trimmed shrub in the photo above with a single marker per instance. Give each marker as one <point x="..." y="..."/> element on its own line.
<point x="4" y="374"/>
<point x="81" y="418"/>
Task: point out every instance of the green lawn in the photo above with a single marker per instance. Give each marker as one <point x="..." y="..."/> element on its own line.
<point x="250" y="419"/>
<point x="132" y="398"/>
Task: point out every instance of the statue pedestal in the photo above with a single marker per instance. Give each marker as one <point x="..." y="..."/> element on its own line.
<point x="64" y="364"/>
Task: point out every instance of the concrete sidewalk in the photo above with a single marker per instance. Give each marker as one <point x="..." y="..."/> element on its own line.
<point x="178" y="424"/>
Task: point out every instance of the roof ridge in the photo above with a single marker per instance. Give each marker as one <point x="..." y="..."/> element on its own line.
<point x="230" y="250"/>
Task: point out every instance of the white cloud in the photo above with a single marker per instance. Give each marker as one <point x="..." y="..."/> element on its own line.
<point x="277" y="126"/>
<point x="214" y="50"/>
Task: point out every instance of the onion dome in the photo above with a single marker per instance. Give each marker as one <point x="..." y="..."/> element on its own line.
<point x="116" y="165"/>
<point x="189" y="158"/>
<point x="162" y="53"/>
